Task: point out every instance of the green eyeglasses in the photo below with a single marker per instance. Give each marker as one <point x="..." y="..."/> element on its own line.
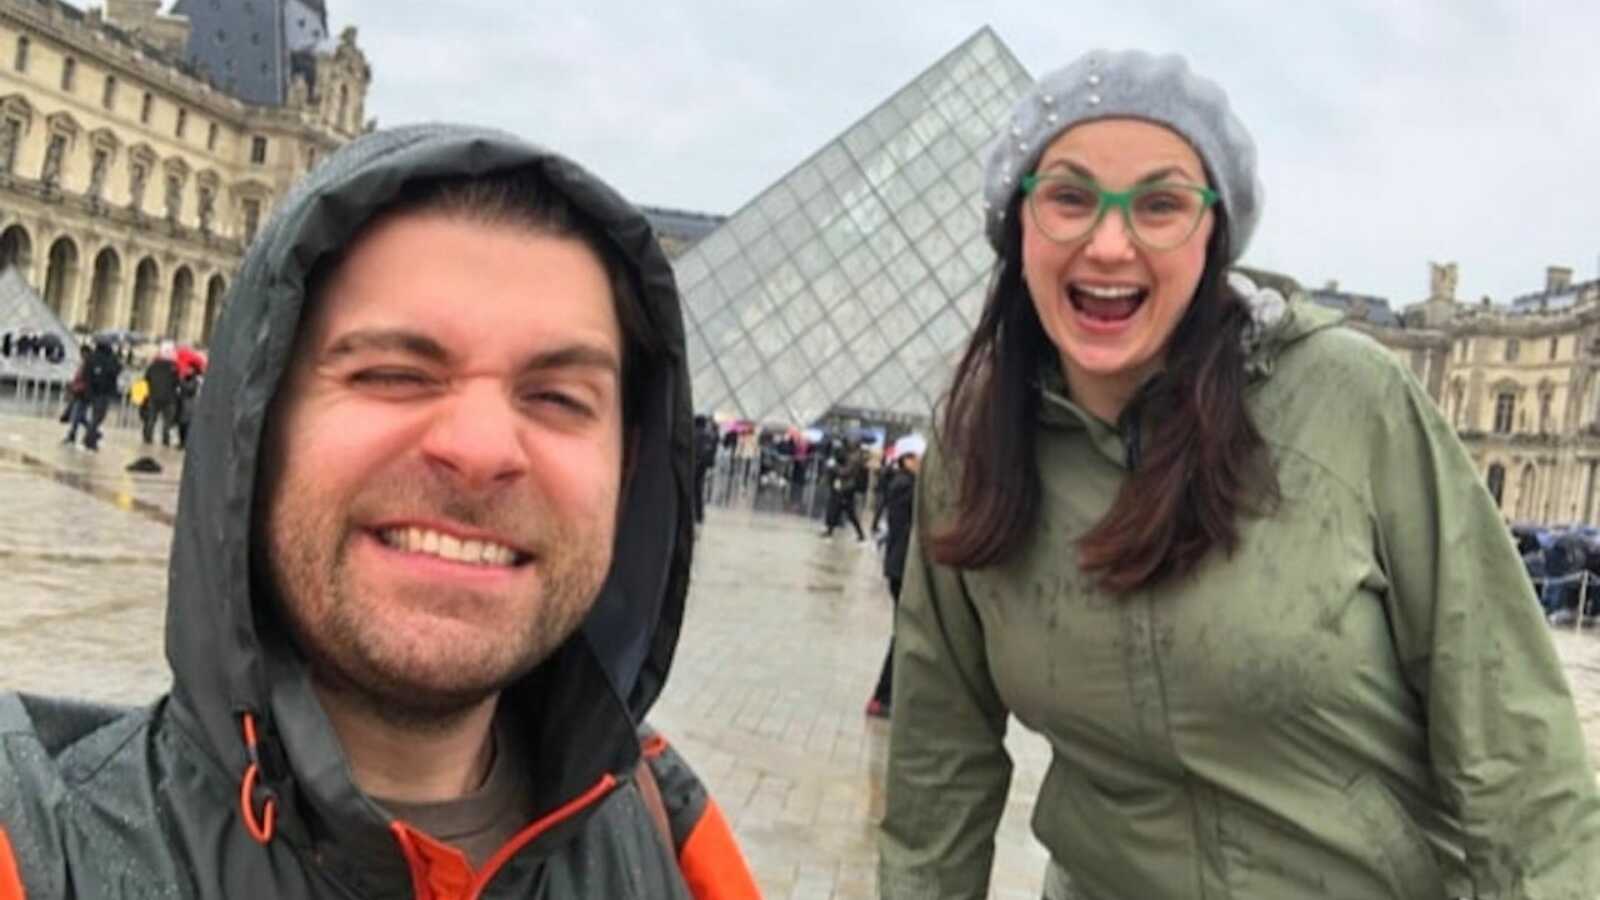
<point x="1160" y="216"/>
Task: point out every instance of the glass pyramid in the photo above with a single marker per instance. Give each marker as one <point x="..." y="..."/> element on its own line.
<point x="21" y="310"/>
<point x="854" y="281"/>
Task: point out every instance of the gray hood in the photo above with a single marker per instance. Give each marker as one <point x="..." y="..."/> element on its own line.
<point x="223" y="648"/>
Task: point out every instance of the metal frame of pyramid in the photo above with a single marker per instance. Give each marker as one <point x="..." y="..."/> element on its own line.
<point x="854" y="281"/>
<point x="21" y="309"/>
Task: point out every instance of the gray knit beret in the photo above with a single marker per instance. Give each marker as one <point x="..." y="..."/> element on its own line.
<point x="1131" y="84"/>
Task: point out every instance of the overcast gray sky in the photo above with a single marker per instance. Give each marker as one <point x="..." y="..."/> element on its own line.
<point x="1391" y="132"/>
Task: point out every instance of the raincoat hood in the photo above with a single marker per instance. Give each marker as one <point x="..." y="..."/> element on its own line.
<point x="227" y="655"/>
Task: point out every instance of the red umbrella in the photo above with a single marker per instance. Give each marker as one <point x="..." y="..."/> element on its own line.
<point x="189" y="360"/>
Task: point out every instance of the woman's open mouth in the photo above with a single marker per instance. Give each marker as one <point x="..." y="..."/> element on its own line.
<point x="1106" y="303"/>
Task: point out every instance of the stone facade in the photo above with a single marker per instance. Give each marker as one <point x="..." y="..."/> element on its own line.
<point x="1519" y="383"/>
<point x="129" y="184"/>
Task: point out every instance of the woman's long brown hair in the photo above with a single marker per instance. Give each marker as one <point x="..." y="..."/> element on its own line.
<point x="1201" y="466"/>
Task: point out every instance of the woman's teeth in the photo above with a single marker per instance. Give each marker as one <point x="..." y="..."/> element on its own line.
<point x="1104" y="302"/>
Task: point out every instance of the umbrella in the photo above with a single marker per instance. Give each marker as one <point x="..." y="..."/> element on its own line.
<point x="911" y="443"/>
<point x="121" y="335"/>
<point x="190" y="360"/>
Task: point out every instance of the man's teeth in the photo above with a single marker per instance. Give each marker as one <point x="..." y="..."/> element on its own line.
<point x="1108" y="293"/>
<point x="445" y="546"/>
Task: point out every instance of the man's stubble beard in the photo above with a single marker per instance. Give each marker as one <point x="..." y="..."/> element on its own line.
<point x="340" y="633"/>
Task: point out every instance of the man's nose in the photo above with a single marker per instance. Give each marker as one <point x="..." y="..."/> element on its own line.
<point x="1111" y="240"/>
<point x="477" y="435"/>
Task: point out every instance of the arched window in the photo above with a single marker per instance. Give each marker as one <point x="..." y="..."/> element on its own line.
<point x="16" y="250"/>
<point x="104" y="288"/>
<point x="61" y="278"/>
<point x="1527" y="493"/>
<point x="1497" y="482"/>
<point x="178" y="309"/>
<point x="146" y="282"/>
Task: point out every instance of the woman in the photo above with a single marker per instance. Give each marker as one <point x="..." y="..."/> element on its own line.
<point x="1227" y="558"/>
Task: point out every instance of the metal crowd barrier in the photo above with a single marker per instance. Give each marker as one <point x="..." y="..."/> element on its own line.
<point x="1582" y="577"/>
<point x="777" y="483"/>
<point x="45" y="396"/>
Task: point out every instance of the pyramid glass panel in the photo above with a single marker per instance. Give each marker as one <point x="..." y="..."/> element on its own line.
<point x="852" y="282"/>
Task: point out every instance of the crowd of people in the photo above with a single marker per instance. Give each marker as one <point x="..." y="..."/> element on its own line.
<point x="28" y="345"/>
<point x="165" y="394"/>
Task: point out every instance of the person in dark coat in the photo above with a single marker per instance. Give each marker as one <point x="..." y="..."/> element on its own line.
<point x="415" y="630"/>
<point x="849" y="481"/>
<point x="898" y="501"/>
<point x="188" y="394"/>
<point x="705" y="457"/>
<point x="162" y="401"/>
<point x="77" y="412"/>
<point x="102" y="371"/>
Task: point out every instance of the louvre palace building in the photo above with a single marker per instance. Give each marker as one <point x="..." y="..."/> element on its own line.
<point x="141" y="150"/>
<point x="1516" y="379"/>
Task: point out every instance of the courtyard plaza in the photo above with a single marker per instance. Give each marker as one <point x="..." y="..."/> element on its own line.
<point x="782" y="643"/>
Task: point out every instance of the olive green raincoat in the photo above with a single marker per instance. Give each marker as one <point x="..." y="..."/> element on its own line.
<point x="1361" y="703"/>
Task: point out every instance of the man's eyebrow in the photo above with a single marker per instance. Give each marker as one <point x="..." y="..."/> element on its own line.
<point x="1157" y="175"/>
<point x="387" y="340"/>
<point x="575" y="356"/>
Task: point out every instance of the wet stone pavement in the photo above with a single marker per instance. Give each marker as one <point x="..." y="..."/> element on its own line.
<point x="784" y="636"/>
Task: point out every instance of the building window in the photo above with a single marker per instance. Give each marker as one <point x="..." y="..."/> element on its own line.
<point x="54" y="152"/>
<point x="183" y="122"/>
<point x="258" y="150"/>
<point x="97" y="173"/>
<point x="145" y="107"/>
<point x="207" y="201"/>
<point x="252" y="219"/>
<point x="10" y="138"/>
<point x="1544" y="414"/>
<point x="1513" y="349"/>
<point x="211" y="136"/>
<point x="20" y="61"/>
<point x="137" y="175"/>
<point x="1555" y="347"/>
<point x="69" y="73"/>
<point x="1497" y="482"/>
<point x="108" y="94"/>
<point x="174" y="198"/>
<point x="1505" y="412"/>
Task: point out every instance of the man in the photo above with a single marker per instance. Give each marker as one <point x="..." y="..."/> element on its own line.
<point x="431" y="552"/>
<point x="849" y="480"/>
<point x="102" y="370"/>
<point x="899" y="498"/>
<point x="161" y="403"/>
